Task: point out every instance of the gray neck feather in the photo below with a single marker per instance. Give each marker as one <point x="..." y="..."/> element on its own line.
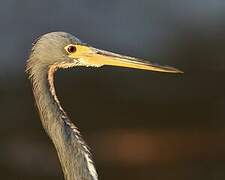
<point x="72" y="151"/>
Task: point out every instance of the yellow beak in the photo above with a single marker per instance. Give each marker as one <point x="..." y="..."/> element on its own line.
<point x="89" y="56"/>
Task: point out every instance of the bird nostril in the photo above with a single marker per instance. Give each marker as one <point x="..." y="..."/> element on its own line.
<point x="71" y="49"/>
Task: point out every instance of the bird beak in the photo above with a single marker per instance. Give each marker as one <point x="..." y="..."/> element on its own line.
<point x="89" y="56"/>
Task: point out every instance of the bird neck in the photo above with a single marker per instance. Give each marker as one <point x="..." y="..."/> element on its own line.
<point x="72" y="151"/>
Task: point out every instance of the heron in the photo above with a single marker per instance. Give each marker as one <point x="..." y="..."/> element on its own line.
<point x="57" y="50"/>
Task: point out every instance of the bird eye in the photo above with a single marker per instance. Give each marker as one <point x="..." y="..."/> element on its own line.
<point x="71" y="49"/>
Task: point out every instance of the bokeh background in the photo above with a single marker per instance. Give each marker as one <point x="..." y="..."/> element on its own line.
<point x="139" y="125"/>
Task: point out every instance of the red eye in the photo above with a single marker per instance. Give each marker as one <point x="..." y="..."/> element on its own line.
<point x="71" y="49"/>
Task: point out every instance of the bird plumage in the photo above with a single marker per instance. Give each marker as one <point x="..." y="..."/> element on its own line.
<point x="73" y="152"/>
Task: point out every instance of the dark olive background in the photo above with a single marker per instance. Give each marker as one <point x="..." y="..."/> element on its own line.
<point x="139" y="124"/>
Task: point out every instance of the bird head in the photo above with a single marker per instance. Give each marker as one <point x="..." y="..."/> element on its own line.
<point x="63" y="50"/>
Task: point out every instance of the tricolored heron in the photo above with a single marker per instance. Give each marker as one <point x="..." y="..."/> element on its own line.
<point x="62" y="50"/>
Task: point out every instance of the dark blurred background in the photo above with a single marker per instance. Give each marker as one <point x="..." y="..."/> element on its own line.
<point x="139" y="124"/>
